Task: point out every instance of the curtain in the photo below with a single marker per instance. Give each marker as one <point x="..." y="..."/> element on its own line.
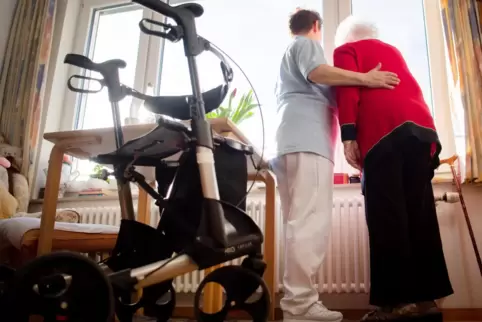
<point x="461" y="23"/>
<point x="22" y="78"/>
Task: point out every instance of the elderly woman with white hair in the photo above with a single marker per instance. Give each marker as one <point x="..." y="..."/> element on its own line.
<point x="391" y="135"/>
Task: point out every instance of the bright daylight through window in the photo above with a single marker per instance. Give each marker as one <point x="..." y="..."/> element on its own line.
<point x="402" y="24"/>
<point x="234" y="26"/>
<point x="256" y="50"/>
<point x="114" y="34"/>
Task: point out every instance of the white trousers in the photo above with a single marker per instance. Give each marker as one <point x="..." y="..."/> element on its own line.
<point x="305" y="184"/>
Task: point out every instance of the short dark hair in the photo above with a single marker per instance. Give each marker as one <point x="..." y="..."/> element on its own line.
<point x="303" y="20"/>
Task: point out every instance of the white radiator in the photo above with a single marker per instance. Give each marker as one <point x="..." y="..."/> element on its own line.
<point x="100" y="215"/>
<point x="346" y="265"/>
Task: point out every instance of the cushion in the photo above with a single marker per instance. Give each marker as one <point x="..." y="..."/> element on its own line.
<point x="12" y="230"/>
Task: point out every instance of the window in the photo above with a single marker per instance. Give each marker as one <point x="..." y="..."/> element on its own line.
<point x="415" y="28"/>
<point x="457" y="116"/>
<point x="458" y="119"/>
<point x="402" y="24"/>
<point x="112" y="32"/>
<point x="254" y="40"/>
<point x="106" y="44"/>
<point x="109" y="29"/>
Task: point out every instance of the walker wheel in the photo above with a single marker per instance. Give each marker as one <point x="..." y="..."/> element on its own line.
<point x="6" y="276"/>
<point x="161" y="307"/>
<point x="158" y="301"/>
<point x="61" y="286"/>
<point x="244" y="290"/>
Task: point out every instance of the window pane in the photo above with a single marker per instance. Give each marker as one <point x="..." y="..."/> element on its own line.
<point x="402" y="24"/>
<point x="255" y="46"/>
<point x="458" y="117"/>
<point x="460" y="147"/>
<point x="116" y="36"/>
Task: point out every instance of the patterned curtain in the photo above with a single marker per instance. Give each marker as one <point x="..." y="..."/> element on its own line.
<point x="22" y="77"/>
<point x="462" y="29"/>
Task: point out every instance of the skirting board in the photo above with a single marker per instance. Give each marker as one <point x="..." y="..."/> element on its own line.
<point x="456" y="315"/>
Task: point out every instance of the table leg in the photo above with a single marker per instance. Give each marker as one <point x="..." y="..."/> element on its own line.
<point x="213" y="294"/>
<point x="51" y="196"/>
<point x="217" y="295"/>
<point x="143" y="216"/>
<point x="270" y="238"/>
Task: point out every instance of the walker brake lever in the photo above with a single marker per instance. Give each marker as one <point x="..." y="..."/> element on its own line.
<point x="101" y="82"/>
<point x="174" y="33"/>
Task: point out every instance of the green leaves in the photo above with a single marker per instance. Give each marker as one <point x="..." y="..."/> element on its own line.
<point x="99" y="172"/>
<point x="236" y="113"/>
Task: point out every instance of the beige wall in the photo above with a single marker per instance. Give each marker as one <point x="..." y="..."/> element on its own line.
<point x="461" y="261"/>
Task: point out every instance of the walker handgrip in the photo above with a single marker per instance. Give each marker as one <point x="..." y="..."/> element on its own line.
<point x="450" y="161"/>
<point x="80" y="61"/>
<point x="109" y="70"/>
<point x="159" y="6"/>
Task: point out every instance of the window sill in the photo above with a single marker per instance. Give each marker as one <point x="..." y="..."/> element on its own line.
<point x="81" y="199"/>
<point x="438" y="179"/>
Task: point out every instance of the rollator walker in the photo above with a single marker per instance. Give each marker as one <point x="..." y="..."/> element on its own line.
<point x="202" y="182"/>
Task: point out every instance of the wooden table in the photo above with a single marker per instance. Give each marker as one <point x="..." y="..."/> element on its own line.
<point x="84" y="144"/>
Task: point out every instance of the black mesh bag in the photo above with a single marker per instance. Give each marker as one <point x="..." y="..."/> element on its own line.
<point x="181" y="214"/>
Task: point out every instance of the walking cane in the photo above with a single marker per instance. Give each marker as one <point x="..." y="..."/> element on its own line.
<point x="450" y="161"/>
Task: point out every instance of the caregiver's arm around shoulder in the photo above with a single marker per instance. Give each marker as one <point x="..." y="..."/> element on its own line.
<point x="312" y="64"/>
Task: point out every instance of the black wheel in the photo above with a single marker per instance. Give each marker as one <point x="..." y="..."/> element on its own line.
<point x="159" y="301"/>
<point x="6" y="277"/>
<point x="244" y="291"/>
<point x="61" y="286"/>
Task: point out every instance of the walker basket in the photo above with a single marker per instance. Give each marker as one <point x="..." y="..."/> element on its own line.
<point x="181" y="213"/>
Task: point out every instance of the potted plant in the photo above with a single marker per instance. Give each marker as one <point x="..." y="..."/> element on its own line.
<point x="99" y="172"/>
<point x="237" y="112"/>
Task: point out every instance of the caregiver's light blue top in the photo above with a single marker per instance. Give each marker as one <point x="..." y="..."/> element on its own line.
<point x="306" y="122"/>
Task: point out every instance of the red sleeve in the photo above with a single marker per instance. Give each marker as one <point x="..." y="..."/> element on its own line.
<point x="347" y="97"/>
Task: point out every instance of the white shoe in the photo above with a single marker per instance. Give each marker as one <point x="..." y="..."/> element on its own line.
<point x="317" y="312"/>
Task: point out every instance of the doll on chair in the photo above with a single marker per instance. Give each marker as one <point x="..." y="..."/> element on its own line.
<point x="8" y="203"/>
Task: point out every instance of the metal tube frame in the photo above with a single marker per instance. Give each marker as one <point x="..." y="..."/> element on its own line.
<point x="164" y="270"/>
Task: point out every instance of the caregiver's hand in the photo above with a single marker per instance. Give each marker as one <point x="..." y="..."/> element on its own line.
<point x="352" y="154"/>
<point x="379" y="79"/>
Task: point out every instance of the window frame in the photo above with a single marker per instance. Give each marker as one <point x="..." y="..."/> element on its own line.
<point x="146" y="72"/>
<point x="438" y="73"/>
<point x="330" y="23"/>
<point x="147" y="60"/>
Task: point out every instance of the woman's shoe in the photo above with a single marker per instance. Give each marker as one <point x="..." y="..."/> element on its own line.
<point x="402" y="313"/>
<point x="428" y="311"/>
<point x="420" y="312"/>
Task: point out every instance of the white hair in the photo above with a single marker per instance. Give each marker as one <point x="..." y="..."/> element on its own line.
<point x="354" y="29"/>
